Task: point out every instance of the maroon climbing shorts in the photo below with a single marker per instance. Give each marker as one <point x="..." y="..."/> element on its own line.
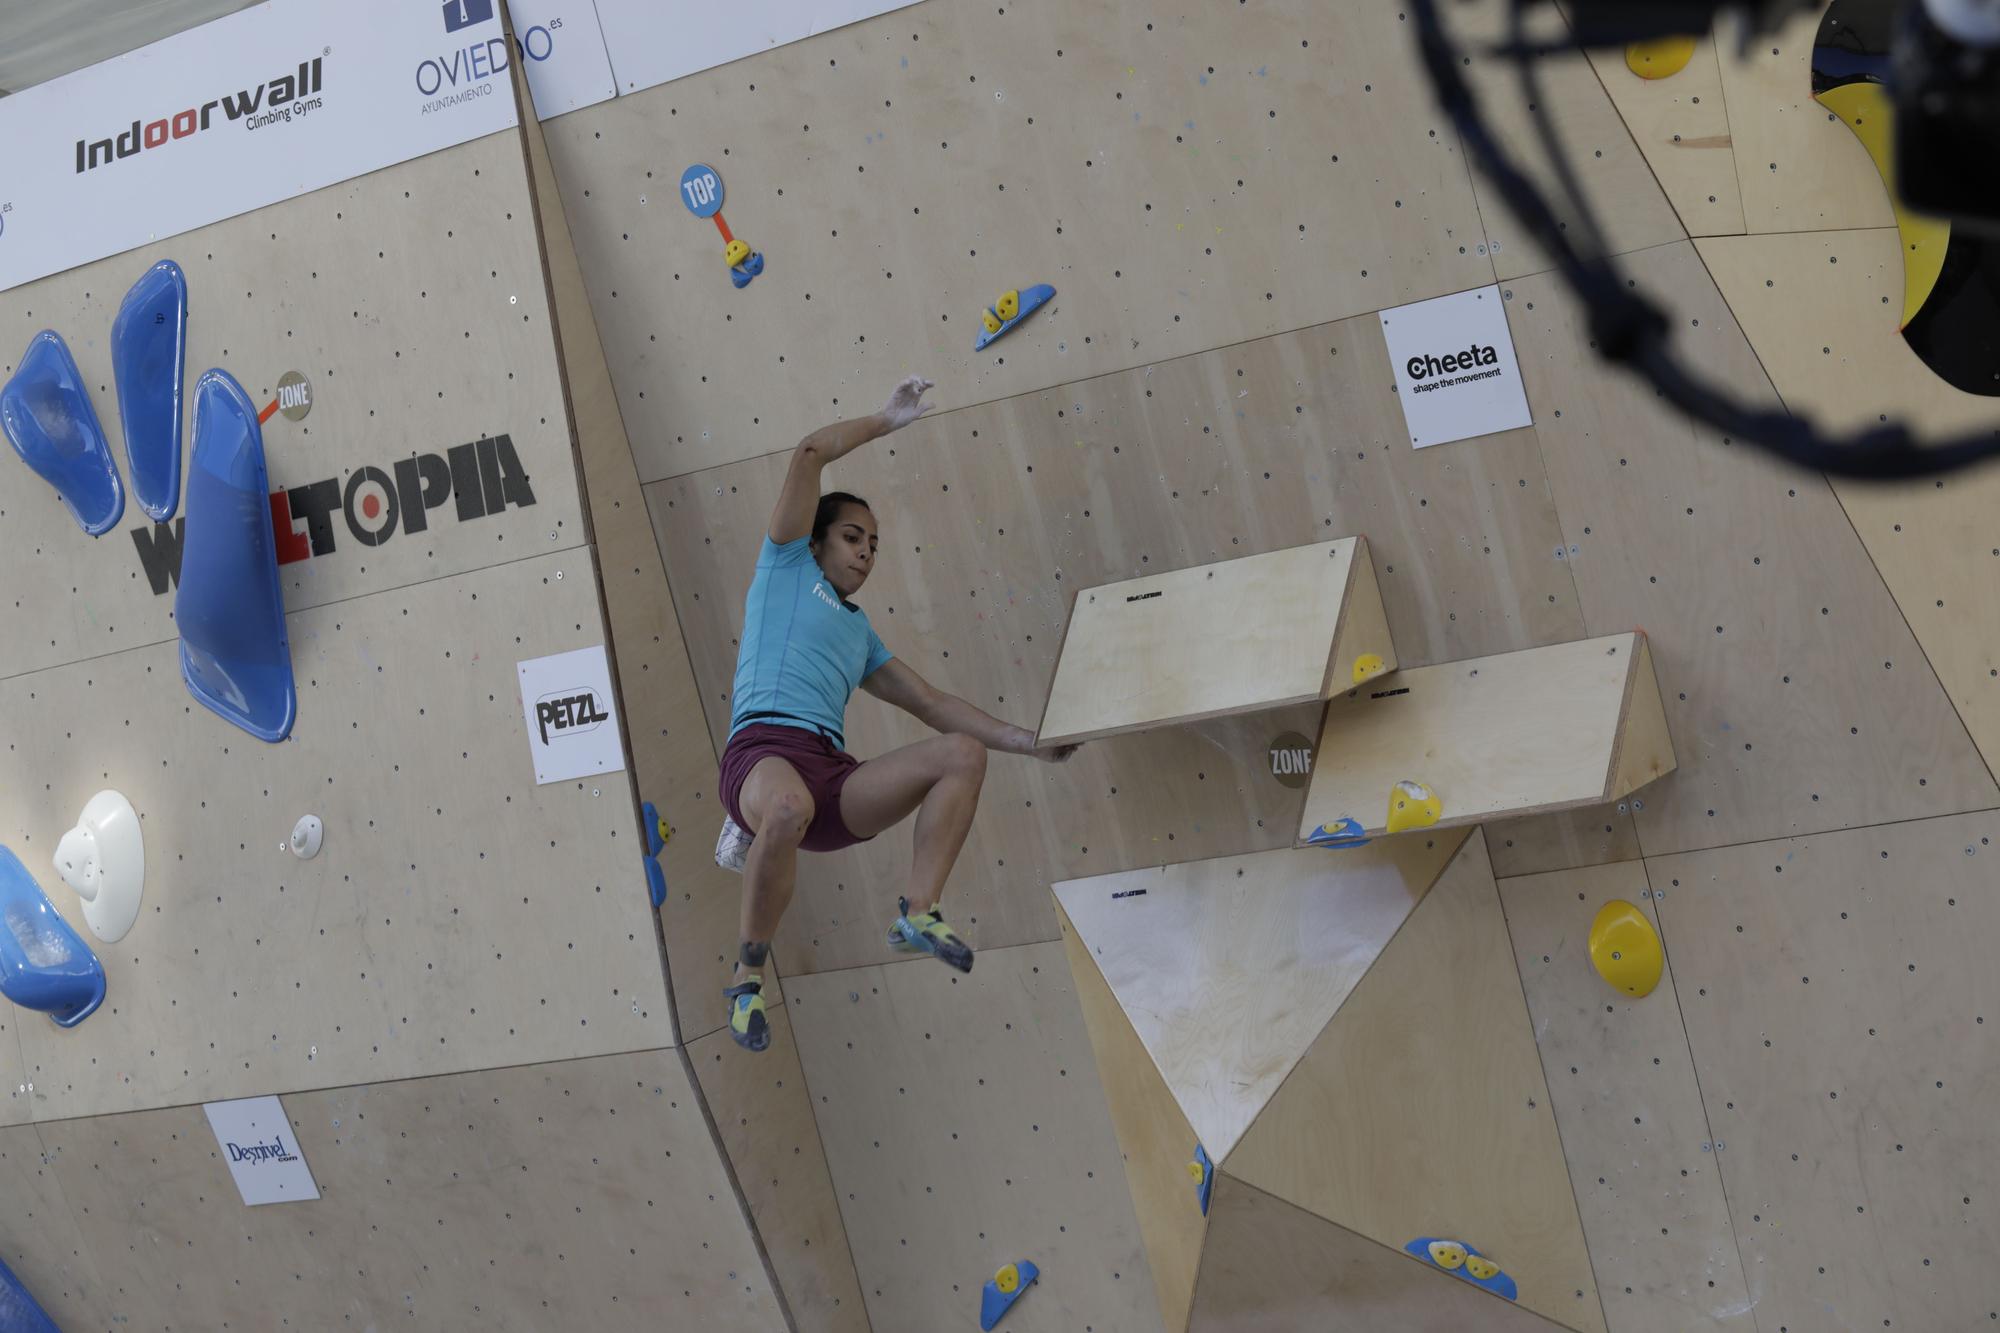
<point x="823" y="766"/>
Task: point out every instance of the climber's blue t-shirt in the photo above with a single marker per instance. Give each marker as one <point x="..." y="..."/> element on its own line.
<point x="805" y="648"/>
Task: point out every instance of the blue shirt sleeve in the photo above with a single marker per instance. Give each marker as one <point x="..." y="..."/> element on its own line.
<point x="794" y="552"/>
<point x="878" y="653"/>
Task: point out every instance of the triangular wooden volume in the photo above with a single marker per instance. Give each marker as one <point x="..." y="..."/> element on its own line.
<point x="1153" y="1136"/>
<point x="1270" y="1267"/>
<point x="1421" y="1110"/>
<point x="1228" y="969"/>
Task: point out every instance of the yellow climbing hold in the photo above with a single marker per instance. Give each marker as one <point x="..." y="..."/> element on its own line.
<point x="1008" y="306"/>
<point x="1447" y="1254"/>
<point x="1412" y="805"/>
<point x="1625" y="949"/>
<point x="1366" y="665"/>
<point x="1660" y="58"/>
<point x="991" y="321"/>
<point x="735" y="253"/>
<point x="1008" y="1278"/>
<point x="1481" y="1267"/>
<point x="665" y="832"/>
<point x="1194" y="1171"/>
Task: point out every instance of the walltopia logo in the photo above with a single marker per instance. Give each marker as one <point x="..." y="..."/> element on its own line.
<point x="296" y="93"/>
<point x="483" y="477"/>
<point x="1422" y="368"/>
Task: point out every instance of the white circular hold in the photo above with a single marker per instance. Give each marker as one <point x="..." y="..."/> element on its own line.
<point x="104" y="859"/>
<point x="306" y="837"/>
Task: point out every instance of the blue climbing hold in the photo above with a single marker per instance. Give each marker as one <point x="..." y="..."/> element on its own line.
<point x="1347" y="833"/>
<point x="1003" y="1289"/>
<point x="234" y="653"/>
<point x="46" y="413"/>
<point x="1462" y="1260"/>
<point x="149" y="360"/>
<point x="44" y="964"/>
<point x="998" y="320"/>
<point x="742" y="273"/>
<point x="656" y="882"/>
<point x="19" y="1312"/>
<point x="656" y="841"/>
<point x="1203" y="1170"/>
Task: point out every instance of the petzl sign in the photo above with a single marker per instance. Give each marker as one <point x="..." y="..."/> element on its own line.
<point x="1456" y="375"/>
<point x="571" y="718"/>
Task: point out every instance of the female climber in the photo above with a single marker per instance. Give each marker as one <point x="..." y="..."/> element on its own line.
<point x="787" y="781"/>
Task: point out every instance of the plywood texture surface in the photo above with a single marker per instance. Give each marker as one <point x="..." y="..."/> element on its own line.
<point x="1526" y="732"/>
<point x="1240" y="636"/>
<point x="1628" y="1104"/>
<point x="991" y="514"/>
<point x="1625" y="200"/>
<point x="1154" y="1136"/>
<point x="39" y="1237"/>
<point x="581" y="1194"/>
<point x="412" y="299"/>
<point x="966" y="1128"/>
<point x="1931" y="540"/>
<point x="1682" y="125"/>
<point x="1422" y="1110"/>
<point x="764" y="1113"/>
<point x="15" y="1110"/>
<point x="1194" y="952"/>
<point x="1800" y="168"/>
<point x="460" y="916"/>
<point x="1782" y="655"/>
<point x="1185" y="181"/>
<point x="1275" y="1268"/>
<point x="1839" y="1006"/>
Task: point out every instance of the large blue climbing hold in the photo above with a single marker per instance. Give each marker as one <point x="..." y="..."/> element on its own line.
<point x="234" y="653"/>
<point x="1005" y="1287"/>
<point x="19" y="1312"/>
<point x="44" y="964"/>
<point x="149" y="359"/>
<point x="46" y="413"/>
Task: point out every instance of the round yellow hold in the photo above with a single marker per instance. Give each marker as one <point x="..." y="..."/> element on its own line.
<point x="991" y="321"/>
<point x="1009" y="305"/>
<point x="1366" y="665"/>
<point x="1412" y="805"/>
<point x="1481" y="1267"/>
<point x="1007" y="1279"/>
<point x="1447" y="1254"/>
<point x="1194" y="1171"/>
<point x="1625" y="949"/>
<point x="735" y="253"/>
<point x="665" y="832"/>
<point x="1660" y="58"/>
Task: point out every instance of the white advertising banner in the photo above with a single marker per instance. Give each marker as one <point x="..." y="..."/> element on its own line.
<point x="256" y="1140"/>
<point x="568" y="67"/>
<point x="572" y="720"/>
<point x="653" y="41"/>
<point x="1456" y="375"/>
<point x="265" y="104"/>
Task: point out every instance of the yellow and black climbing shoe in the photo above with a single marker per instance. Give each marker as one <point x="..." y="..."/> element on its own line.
<point x="926" y="932"/>
<point x="746" y="1013"/>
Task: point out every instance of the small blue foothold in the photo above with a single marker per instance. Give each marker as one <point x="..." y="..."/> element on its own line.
<point x="1347" y="833"/>
<point x="1206" y="1187"/>
<point x="1032" y="299"/>
<point x="651" y="815"/>
<point x="656" y="882"/>
<point x="1499" y="1284"/>
<point x="994" y="1302"/>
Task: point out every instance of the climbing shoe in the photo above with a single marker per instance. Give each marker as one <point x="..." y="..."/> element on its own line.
<point x="746" y="1013"/>
<point x="927" y="932"/>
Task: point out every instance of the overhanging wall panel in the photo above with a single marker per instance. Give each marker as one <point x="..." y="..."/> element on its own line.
<point x="1185" y="181"/>
<point x="413" y="301"/>
<point x="460" y="917"/>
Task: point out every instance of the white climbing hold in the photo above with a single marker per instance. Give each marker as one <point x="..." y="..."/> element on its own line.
<point x="306" y="837"/>
<point x="104" y="859"/>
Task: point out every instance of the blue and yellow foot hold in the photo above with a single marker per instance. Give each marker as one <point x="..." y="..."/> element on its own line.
<point x="1003" y="1289"/>
<point x="656" y="842"/>
<point x="1464" y="1261"/>
<point x="1202" y="1171"/>
<point x="1347" y="833"/>
<point x="1009" y="310"/>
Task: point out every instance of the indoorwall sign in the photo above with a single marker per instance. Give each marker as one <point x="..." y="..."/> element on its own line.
<point x="1456" y="375"/>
